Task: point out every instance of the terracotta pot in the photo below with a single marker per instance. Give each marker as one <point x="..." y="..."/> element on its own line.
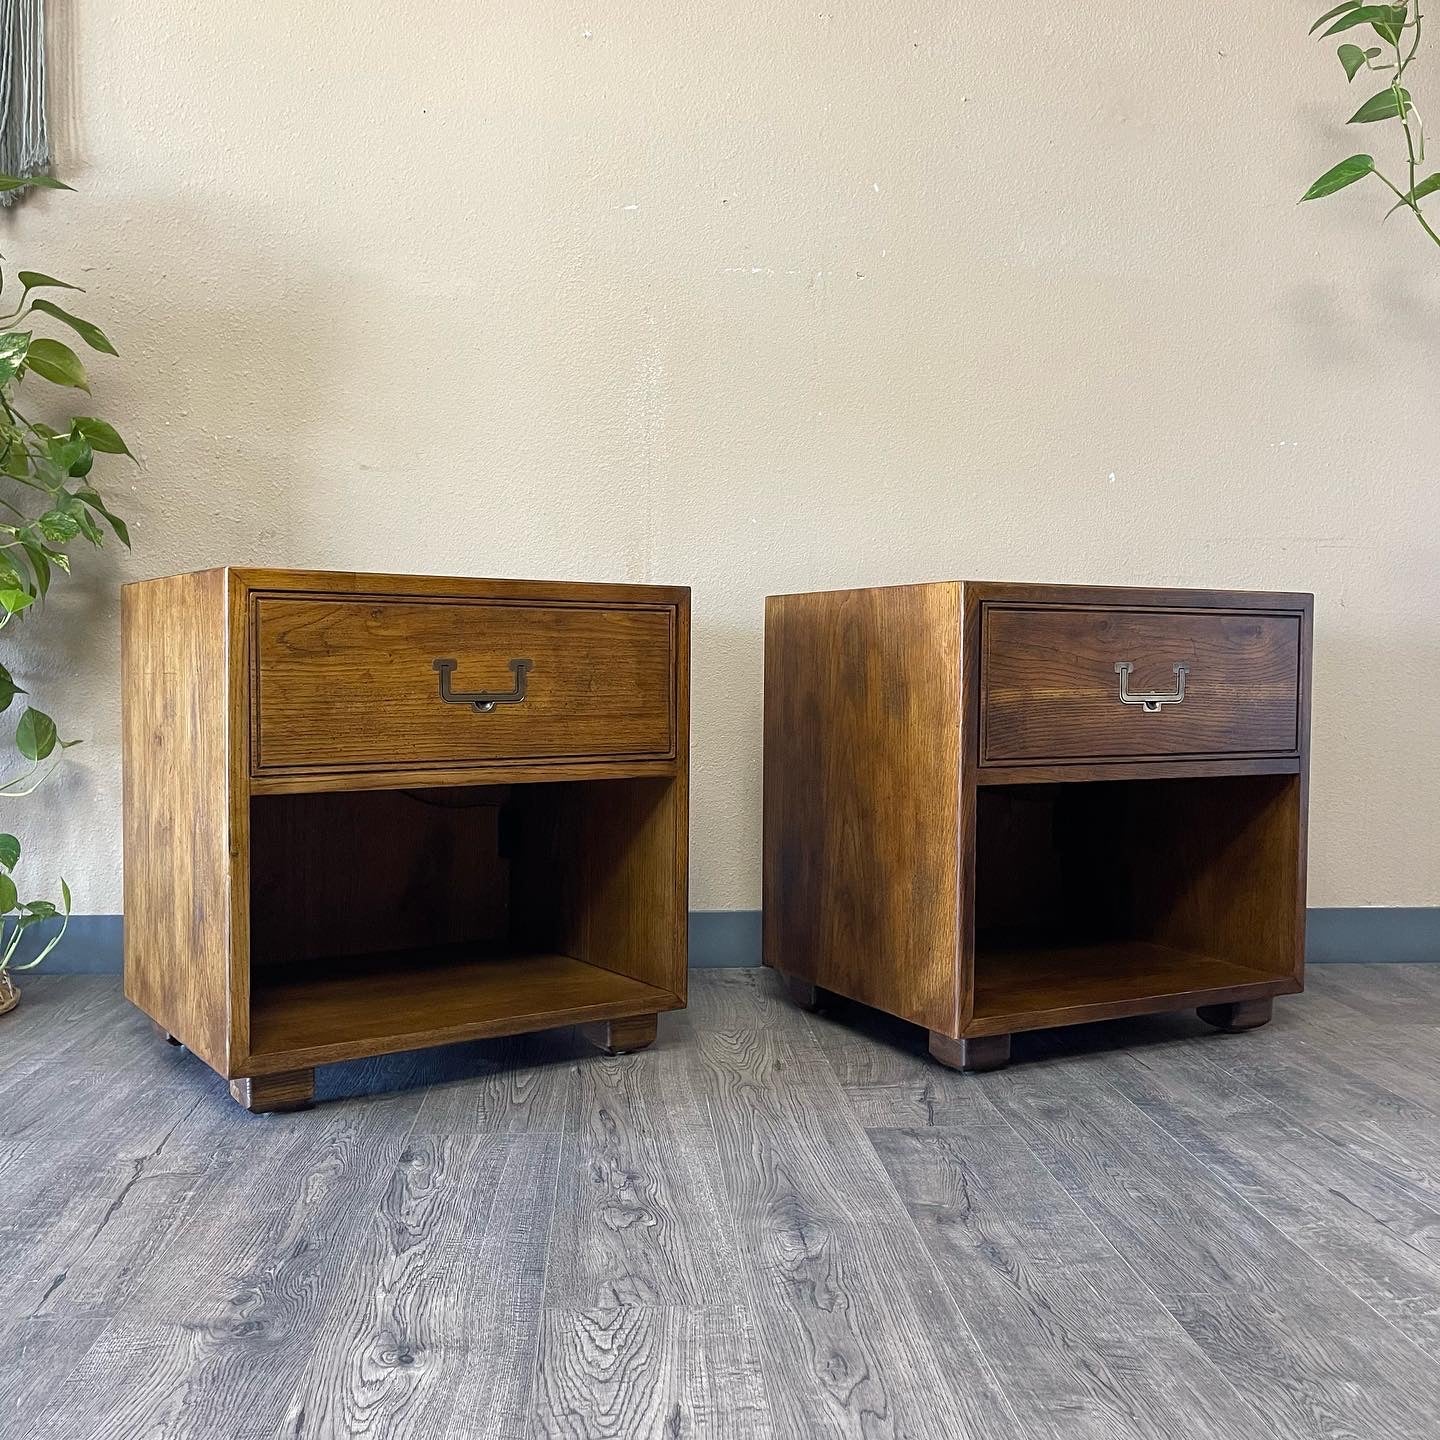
<point x="9" y="993"/>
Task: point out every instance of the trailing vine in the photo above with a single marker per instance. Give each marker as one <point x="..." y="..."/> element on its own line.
<point x="48" y="504"/>
<point x="1399" y="33"/>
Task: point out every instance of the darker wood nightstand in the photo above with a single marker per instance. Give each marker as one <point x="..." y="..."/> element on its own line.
<point x="370" y="813"/>
<point x="992" y="808"/>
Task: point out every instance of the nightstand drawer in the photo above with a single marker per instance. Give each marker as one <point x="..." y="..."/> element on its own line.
<point x="340" y="682"/>
<point x="1109" y="684"/>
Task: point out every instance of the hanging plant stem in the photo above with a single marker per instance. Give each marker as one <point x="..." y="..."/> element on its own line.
<point x="1399" y="32"/>
<point x="52" y="504"/>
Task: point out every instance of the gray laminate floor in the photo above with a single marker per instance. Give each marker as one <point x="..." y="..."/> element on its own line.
<point x="772" y="1224"/>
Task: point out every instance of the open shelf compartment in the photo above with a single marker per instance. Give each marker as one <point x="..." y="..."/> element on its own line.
<point x="386" y="920"/>
<point x="1107" y="898"/>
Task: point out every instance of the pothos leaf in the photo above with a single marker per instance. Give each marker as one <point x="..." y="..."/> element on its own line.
<point x="1387" y="20"/>
<point x="35" y="735"/>
<point x="75" y="506"/>
<point x="39" y="563"/>
<point x="92" y="335"/>
<point x="34" y="280"/>
<point x="1331" y="14"/>
<point x="72" y="453"/>
<point x="1347" y="172"/>
<point x="13" y="346"/>
<point x="58" y="526"/>
<point x="1354" y="59"/>
<point x="56" y="362"/>
<point x="8" y="895"/>
<point x="9" y="851"/>
<point x="101" y="434"/>
<point x="8" y="688"/>
<point x="1389" y="30"/>
<point x="93" y="500"/>
<point x="1386" y="105"/>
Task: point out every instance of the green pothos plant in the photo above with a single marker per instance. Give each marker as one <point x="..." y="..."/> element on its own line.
<point x="48" y="504"/>
<point x="1397" y="28"/>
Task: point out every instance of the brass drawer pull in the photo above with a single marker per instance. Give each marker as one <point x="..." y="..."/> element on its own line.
<point x="482" y="701"/>
<point x="1151" y="701"/>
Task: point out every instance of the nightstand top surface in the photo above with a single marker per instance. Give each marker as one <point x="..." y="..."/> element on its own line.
<point x="357" y="582"/>
<point x="1162" y="597"/>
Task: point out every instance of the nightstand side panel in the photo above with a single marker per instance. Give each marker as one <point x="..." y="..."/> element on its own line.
<point x="862" y="796"/>
<point x="177" y="800"/>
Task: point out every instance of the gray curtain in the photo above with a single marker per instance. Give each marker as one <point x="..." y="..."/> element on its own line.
<point x="24" y="136"/>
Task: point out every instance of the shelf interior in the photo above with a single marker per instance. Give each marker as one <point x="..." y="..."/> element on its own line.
<point x="372" y="1004"/>
<point x="1108" y="898"/>
<point x="387" y="920"/>
<point x="1023" y="983"/>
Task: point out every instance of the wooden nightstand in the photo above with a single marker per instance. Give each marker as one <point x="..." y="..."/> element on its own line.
<point x="369" y="813"/>
<point x="993" y="808"/>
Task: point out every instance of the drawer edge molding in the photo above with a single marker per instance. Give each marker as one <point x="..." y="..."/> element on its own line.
<point x="504" y="772"/>
<point x="1054" y="668"/>
<point x="347" y="768"/>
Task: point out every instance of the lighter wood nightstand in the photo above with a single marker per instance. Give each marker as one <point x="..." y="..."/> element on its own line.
<point x="370" y="813"/>
<point x="995" y="808"/>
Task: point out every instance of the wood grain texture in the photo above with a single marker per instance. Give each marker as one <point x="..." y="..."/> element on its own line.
<point x="620" y="1037"/>
<point x="971" y="1052"/>
<point x="354" y="583"/>
<point x="861" y="795"/>
<point x="349" y="684"/>
<point x="1034" y="988"/>
<point x="852" y="1340"/>
<point x="492" y="772"/>
<point x="1365" y="1216"/>
<point x="639" y="1372"/>
<point x="999" y="888"/>
<point x="1177" y="1238"/>
<point x="393" y="1352"/>
<point x="360" y="874"/>
<point x="1257" y="1305"/>
<point x="282" y="1090"/>
<point x="1225" y="870"/>
<point x="179" y="789"/>
<point x="378" y="1004"/>
<point x="1155" y="769"/>
<point x="605" y="876"/>
<point x="1051" y="692"/>
<point x="1080" y="1347"/>
<point x="641" y="1217"/>
<point x="495" y="903"/>
<point x="219" y="1324"/>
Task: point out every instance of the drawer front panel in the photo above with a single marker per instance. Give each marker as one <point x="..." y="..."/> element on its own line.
<point x="345" y="683"/>
<point x="1050" y="690"/>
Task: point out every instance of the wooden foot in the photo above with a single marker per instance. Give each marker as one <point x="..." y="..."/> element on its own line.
<point x="803" y="993"/>
<point x="262" y="1094"/>
<point x="619" y="1037"/>
<point x="164" y="1034"/>
<point x="979" y="1052"/>
<point x="1240" y="1015"/>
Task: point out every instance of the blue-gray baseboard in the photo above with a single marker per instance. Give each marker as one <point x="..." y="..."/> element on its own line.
<point x="1362" y="934"/>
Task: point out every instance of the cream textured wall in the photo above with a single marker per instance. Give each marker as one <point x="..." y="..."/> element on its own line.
<point x="756" y="297"/>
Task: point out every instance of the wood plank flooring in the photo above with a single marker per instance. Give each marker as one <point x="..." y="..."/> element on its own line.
<point x="772" y="1224"/>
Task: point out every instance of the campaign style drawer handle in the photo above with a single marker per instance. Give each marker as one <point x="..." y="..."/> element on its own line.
<point x="482" y="702"/>
<point x="1150" y="701"/>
